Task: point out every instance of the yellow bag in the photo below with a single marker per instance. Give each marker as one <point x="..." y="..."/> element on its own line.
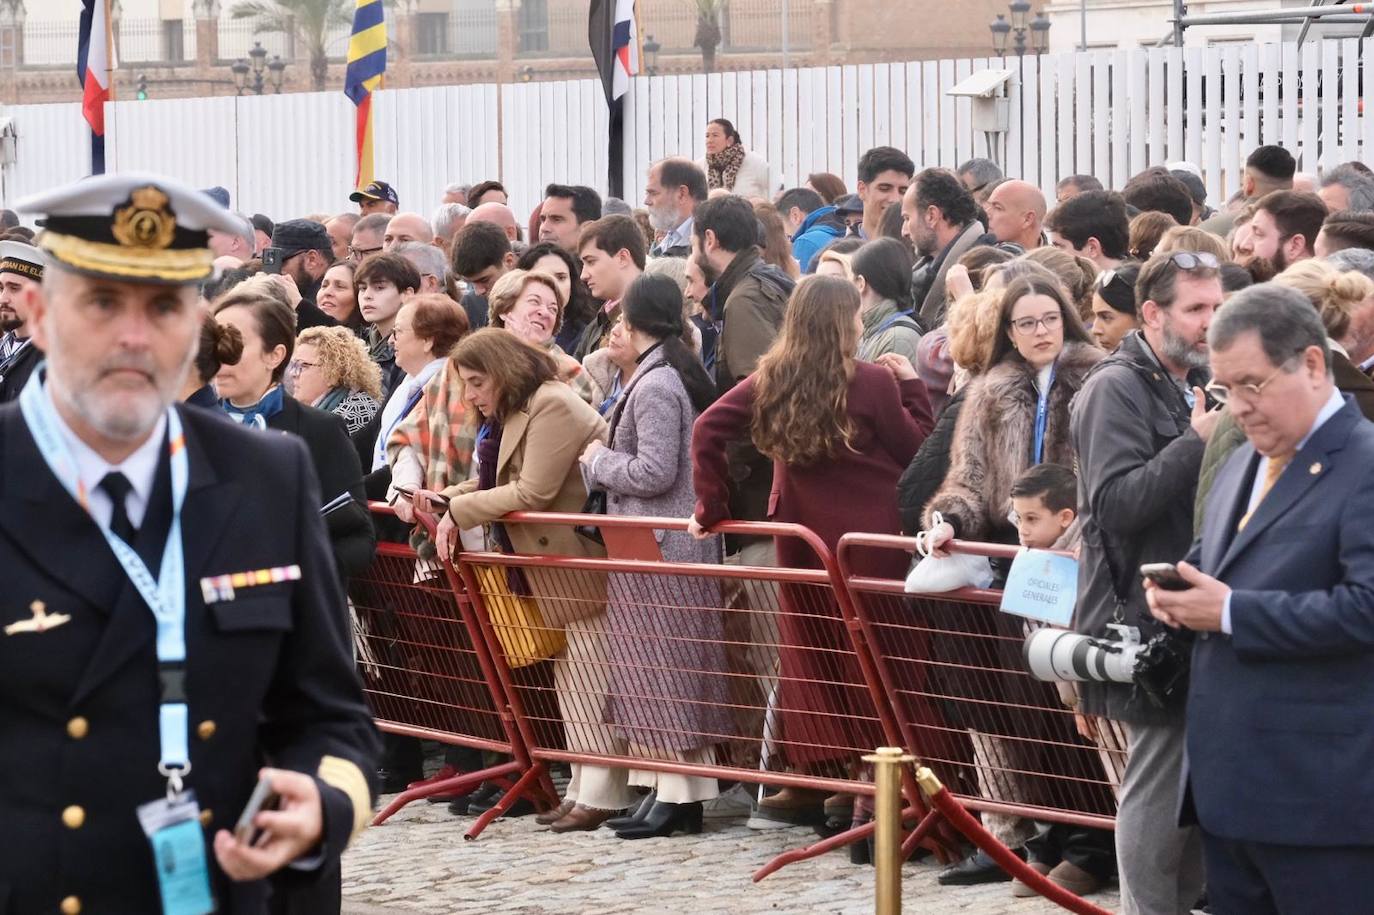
<point x="519" y="625"/>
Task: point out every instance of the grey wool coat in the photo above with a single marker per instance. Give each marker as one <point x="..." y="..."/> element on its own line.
<point x="668" y="688"/>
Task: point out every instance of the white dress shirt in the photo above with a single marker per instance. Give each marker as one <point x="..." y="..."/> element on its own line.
<point x="140" y="468"/>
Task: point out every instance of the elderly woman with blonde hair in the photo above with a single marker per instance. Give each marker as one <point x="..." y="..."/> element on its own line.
<point x="332" y="371"/>
<point x="529" y="304"/>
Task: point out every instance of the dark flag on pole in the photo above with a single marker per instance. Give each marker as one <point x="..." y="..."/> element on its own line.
<point x="614" y="40"/>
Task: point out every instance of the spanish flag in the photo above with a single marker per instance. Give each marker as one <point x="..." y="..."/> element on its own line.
<point x="366" y="65"/>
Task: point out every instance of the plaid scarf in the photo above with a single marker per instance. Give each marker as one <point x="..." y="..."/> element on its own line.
<point x="443" y="439"/>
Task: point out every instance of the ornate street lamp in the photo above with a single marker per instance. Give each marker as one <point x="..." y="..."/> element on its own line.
<point x="1019" y="26"/>
<point x="249" y="76"/>
<point x="651" y="49"/>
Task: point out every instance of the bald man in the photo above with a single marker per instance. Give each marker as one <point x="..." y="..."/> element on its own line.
<point x="498" y="214"/>
<point x="1016" y="212"/>
<point x="405" y="227"/>
<point x="340" y="230"/>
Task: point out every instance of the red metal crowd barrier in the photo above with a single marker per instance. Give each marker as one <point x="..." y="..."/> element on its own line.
<point x="1000" y="741"/>
<point x="691" y="669"/>
<point x="776" y="676"/>
<point x="426" y="675"/>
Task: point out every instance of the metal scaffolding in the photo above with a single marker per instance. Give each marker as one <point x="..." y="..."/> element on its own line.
<point x="1337" y="12"/>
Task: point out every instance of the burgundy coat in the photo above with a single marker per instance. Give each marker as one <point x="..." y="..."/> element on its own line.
<point x="854" y="491"/>
<point x="822" y="696"/>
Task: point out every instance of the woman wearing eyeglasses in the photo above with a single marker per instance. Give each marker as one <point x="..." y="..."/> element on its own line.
<point x="333" y="372"/>
<point x="1015" y="414"/>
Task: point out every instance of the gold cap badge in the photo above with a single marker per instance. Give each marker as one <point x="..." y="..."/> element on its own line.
<point x="146" y="222"/>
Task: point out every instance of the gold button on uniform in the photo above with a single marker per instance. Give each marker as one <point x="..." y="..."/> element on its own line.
<point x="78" y="728"/>
<point x="71" y="906"/>
<point x="206" y="818"/>
<point x="206" y="730"/>
<point x="74" y="817"/>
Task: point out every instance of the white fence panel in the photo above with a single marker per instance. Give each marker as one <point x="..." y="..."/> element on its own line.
<point x="52" y="148"/>
<point x="1110" y="114"/>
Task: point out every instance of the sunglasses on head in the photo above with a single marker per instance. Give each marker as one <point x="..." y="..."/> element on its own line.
<point x="1192" y="260"/>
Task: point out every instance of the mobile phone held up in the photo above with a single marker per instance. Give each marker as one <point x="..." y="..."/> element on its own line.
<point x="263" y="798"/>
<point x="271" y="260"/>
<point x="1165" y="575"/>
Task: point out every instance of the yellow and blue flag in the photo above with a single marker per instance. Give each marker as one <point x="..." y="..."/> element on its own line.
<point x="366" y="66"/>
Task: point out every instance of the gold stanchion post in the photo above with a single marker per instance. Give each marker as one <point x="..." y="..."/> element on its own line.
<point x="887" y="829"/>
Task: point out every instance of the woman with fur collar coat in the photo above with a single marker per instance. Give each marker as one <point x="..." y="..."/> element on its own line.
<point x="1043" y="341"/>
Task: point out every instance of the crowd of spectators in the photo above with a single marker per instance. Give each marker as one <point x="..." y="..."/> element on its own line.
<point x="938" y="342"/>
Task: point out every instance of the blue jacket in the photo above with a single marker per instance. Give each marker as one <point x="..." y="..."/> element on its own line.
<point x="1280" y="733"/>
<point x="815" y="233"/>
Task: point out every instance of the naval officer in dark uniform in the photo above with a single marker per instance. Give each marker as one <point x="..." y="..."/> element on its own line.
<point x="171" y="627"/>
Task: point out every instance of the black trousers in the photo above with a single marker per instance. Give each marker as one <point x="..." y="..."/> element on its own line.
<point x="1255" y="878"/>
<point x="1094" y="850"/>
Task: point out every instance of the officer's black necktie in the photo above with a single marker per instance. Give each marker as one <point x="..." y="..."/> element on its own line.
<point x="118" y="487"/>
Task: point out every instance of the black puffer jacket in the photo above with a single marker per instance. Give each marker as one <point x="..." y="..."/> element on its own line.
<point x="924" y="476"/>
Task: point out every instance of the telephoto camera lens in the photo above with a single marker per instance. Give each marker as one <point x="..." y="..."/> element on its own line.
<point x="1060" y="655"/>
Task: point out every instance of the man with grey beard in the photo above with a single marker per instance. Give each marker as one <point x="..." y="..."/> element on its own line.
<point x="1139" y="426"/>
<point x="671" y="195"/>
<point x="172" y="619"/>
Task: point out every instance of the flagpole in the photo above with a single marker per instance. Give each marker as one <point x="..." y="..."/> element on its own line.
<point x="98" y="140"/>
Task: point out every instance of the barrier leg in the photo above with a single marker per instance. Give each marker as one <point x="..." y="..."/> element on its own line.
<point x="838" y="840"/>
<point x="961" y="819"/>
<point x="459" y="784"/>
<point x="530" y="778"/>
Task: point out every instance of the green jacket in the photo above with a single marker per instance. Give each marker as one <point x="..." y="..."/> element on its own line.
<point x="1226" y="438"/>
<point x="888" y="329"/>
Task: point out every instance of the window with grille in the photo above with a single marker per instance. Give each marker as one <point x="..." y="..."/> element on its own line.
<point x="431" y="33"/>
<point x="534" y="25"/>
<point x="173" y="40"/>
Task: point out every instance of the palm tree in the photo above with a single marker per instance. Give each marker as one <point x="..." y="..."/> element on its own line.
<point x="708" y="30"/>
<point x="310" y="21"/>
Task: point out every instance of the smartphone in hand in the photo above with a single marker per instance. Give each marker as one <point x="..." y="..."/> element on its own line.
<point x="1165" y="575"/>
<point x="271" y="260"/>
<point x="262" y="798"/>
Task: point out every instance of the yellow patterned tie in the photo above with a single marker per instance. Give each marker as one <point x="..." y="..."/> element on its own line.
<point x="1271" y="476"/>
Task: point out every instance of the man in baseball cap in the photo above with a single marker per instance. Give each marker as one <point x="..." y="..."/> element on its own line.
<point x="376" y="197"/>
<point x="21" y="270"/>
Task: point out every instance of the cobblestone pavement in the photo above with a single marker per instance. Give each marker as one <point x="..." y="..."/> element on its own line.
<point x="418" y="862"/>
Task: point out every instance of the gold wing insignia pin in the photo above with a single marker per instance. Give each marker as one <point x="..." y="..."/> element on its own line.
<point x="42" y="620"/>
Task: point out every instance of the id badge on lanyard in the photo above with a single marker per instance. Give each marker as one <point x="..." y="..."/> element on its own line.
<point x="1042" y="410"/>
<point x="166" y="598"/>
<point x="172" y="825"/>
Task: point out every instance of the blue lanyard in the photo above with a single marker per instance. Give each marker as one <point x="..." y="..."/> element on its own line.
<point x="1042" y="410"/>
<point x="165" y="595"/>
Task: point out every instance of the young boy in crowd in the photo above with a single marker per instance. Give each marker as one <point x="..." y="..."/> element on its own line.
<point x="1044" y="502"/>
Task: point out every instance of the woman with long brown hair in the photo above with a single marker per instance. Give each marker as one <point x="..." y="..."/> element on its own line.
<point x="532" y="430"/>
<point x="832" y="425"/>
<point x="777" y="250"/>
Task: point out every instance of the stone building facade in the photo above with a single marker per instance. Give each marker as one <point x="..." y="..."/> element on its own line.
<point x="445" y="42"/>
